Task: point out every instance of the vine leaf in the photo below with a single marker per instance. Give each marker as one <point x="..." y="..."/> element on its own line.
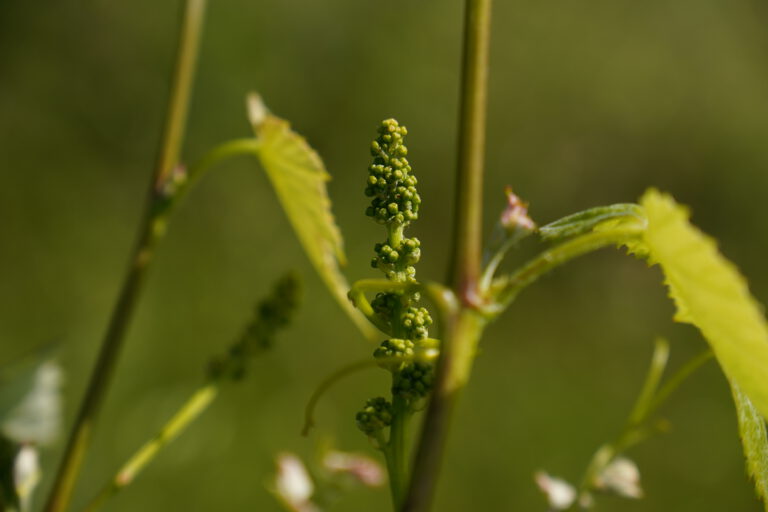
<point x="711" y="294"/>
<point x="753" y="438"/>
<point x="299" y="178"/>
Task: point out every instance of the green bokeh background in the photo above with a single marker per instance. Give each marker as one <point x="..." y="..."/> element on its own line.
<point x="590" y="103"/>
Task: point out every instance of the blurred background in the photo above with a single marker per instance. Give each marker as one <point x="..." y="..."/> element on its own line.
<point x="590" y="103"/>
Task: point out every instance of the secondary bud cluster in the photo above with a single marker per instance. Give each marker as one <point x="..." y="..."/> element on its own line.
<point x="375" y="415"/>
<point x="273" y="313"/>
<point x="414" y="381"/>
<point x="394" y="354"/>
<point x="397" y="264"/>
<point x="415" y="322"/>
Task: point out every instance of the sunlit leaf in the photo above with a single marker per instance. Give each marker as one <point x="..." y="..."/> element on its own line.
<point x="299" y="178"/>
<point x="710" y="293"/>
<point x="753" y="439"/>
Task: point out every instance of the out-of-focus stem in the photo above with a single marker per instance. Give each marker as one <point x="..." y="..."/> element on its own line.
<point x="188" y="413"/>
<point x="637" y="427"/>
<point x="151" y="231"/>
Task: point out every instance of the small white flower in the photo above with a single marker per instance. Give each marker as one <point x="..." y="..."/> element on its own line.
<point x="26" y="474"/>
<point x="293" y="485"/>
<point x="514" y="219"/>
<point x="620" y="477"/>
<point x="560" y="494"/>
<point x="364" y="469"/>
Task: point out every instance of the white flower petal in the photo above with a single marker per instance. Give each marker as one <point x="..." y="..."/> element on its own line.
<point x="560" y="494"/>
<point x="620" y="477"/>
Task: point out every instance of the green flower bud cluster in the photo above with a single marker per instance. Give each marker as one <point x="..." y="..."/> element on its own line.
<point x="395" y="203"/>
<point x="390" y="184"/>
<point x="273" y="313"/>
<point x="415" y="322"/>
<point x="394" y="354"/>
<point x="375" y="415"/>
<point x="397" y="264"/>
<point x="413" y="381"/>
<point x="386" y="305"/>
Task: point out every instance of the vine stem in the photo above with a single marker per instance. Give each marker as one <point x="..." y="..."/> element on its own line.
<point x="468" y="208"/>
<point x="309" y="410"/>
<point x="186" y="414"/>
<point x="396" y="452"/>
<point x="506" y="288"/>
<point x="652" y="396"/>
<point x="456" y="355"/>
<point x="462" y="329"/>
<point x="151" y="232"/>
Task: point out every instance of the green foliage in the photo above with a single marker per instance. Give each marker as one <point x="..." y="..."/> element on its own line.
<point x="709" y="293"/>
<point x="298" y="176"/>
<point x="707" y="289"/>
<point x="753" y="438"/>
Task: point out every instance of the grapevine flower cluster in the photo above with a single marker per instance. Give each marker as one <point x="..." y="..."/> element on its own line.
<point x="272" y="314"/>
<point x="395" y="204"/>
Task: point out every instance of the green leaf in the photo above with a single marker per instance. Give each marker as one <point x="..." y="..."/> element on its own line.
<point x="299" y="177"/>
<point x="753" y="439"/>
<point x="709" y="293"/>
<point x="584" y="221"/>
